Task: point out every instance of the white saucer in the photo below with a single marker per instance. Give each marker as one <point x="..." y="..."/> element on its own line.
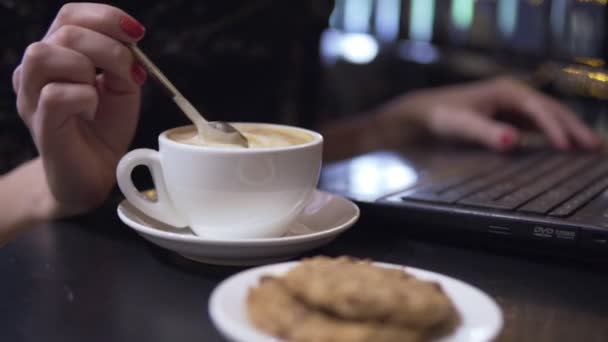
<point x="481" y="317"/>
<point x="324" y="217"/>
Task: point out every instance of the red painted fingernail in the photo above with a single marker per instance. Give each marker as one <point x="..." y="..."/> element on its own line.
<point x="597" y="142"/>
<point x="132" y="27"/>
<point x="506" y="139"/>
<point x="139" y="74"/>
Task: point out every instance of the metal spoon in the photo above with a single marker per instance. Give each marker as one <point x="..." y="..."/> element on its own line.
<point x="216" y="131"/>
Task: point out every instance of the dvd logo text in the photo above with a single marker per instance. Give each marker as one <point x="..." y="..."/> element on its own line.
<point x="544" y="232"/>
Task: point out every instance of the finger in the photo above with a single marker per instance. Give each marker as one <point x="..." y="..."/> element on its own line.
<point x="547" y="121"/>
<point x="16" y="79"/>
<point x="44" y="63"/>
<point x="580" y="132"/>
<point x="521" y="99"/>
<point x="473" y="126"/>
<point x="108" y="54"/>
<point x="108" y="20"/>
<point x="60" y="106"/>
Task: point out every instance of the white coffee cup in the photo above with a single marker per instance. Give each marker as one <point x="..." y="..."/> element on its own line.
<point x="226" y="193"/>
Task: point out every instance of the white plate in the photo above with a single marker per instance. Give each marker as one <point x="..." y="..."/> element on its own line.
<point x="325" y="216"/>
<point x="481" y="316"/>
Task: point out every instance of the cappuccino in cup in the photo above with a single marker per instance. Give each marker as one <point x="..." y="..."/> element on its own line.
<point x="224" y="191"/>
<point x="258" y="136"/>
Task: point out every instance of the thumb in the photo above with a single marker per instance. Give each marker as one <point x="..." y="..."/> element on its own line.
<point x="473" y="126"/>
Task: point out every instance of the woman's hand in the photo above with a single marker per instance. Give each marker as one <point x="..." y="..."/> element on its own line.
<point x="78" y="91"/>
<point x="469" y="112"/>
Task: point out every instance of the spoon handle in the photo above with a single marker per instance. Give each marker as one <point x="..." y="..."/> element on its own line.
<point x="185" y="105"/>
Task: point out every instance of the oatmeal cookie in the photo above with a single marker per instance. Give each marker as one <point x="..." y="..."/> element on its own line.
<point x="274" y="310"/>
<point x="357" y="290"/>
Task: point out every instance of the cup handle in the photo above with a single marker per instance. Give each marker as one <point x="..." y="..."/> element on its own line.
<point x="162" y="209"/>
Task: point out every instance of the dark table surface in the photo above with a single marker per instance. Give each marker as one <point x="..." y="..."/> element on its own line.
<point x="93" y="279"/>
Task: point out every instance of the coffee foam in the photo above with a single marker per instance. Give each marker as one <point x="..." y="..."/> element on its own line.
<point x="258" y="136"/>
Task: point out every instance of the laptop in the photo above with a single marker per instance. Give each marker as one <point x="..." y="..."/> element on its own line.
<point x="535" y="196"/>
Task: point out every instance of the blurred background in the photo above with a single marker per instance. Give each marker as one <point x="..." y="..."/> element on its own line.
<point x="303" y="62"/>
<point x="557" y="45"/>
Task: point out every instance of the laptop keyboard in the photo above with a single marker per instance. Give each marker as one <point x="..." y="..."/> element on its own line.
<point x="552" y="185"/>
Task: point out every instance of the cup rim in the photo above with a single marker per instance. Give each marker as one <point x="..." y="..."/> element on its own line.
<point x="317" y="139"/>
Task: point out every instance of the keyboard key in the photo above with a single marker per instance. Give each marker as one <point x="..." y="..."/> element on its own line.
<point x="426" y="196"/>
<point x="473" y="201"/>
